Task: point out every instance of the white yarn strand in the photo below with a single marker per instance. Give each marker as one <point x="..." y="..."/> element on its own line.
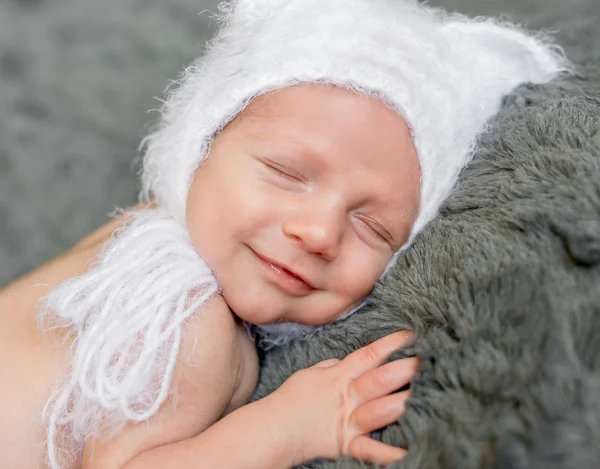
<point x="125" y="317"/>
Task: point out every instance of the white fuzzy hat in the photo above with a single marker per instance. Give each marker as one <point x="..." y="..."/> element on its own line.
<point x="445" y="74"/>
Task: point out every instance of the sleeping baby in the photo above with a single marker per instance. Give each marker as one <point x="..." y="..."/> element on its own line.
<point x="293" y="163"/>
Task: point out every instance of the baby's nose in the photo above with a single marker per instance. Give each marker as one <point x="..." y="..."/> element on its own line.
<point x="319" y="232"/>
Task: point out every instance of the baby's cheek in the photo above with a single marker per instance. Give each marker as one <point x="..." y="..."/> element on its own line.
<point x="249" y="201"/>
<point x="360" y="273"/>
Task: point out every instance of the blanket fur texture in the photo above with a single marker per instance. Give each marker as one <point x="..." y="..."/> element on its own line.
<point x="503" y="289"/>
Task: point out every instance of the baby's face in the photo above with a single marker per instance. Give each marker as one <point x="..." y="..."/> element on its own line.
<point x="302" y="203"/>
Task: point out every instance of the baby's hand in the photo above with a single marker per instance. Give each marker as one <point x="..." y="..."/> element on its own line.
<point x="330" y="408"/>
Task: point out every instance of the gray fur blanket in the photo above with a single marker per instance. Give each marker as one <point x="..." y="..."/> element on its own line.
<point x="503" y="289"/>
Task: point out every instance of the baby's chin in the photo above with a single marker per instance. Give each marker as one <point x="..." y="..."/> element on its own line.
<point x="260" y="306"/>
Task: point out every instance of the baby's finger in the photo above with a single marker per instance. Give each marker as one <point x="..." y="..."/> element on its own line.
<point x="326" y="363"/>
<point x="384" y="379"/>
<point x="372" y="355"/>
<point x="365" y="448"/>
<point x="376" y="414"/>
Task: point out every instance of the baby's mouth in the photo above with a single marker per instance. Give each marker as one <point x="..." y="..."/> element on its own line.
<point x="283" y="269"/>
<point x="285" y="279"/>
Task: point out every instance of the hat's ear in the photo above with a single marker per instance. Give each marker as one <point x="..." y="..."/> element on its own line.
<point x="500" y="52"/>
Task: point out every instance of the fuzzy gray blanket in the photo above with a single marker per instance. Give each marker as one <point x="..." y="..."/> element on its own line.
<point x="503" y="289"/>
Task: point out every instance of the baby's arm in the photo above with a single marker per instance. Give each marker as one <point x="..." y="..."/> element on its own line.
<point x="250" y="437"/>
<point x="326" y="411"/>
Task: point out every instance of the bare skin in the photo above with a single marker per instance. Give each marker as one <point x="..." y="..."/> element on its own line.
<point x="349" y="205"/>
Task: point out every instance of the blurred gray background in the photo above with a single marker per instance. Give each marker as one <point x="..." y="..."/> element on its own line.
<point x="78" y="77"/>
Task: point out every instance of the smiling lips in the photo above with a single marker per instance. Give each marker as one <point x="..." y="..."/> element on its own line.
<point x="286" y="279"/>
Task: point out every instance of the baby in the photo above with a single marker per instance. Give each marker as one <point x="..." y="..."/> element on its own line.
<point x="293" y="163"/>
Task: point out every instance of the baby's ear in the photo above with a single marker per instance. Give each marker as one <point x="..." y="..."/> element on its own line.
<point x="499" y="52"/>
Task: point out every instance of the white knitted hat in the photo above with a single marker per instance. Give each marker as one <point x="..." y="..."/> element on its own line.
<point x="445" y="74"/>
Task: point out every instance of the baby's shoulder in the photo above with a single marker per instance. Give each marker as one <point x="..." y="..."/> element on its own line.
<point x="209" y="338"/>
<point x="216" y="349"/>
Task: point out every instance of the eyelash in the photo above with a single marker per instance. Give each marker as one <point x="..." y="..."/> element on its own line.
<point x="283" y="174"/>
<point x="374" y="230"/>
